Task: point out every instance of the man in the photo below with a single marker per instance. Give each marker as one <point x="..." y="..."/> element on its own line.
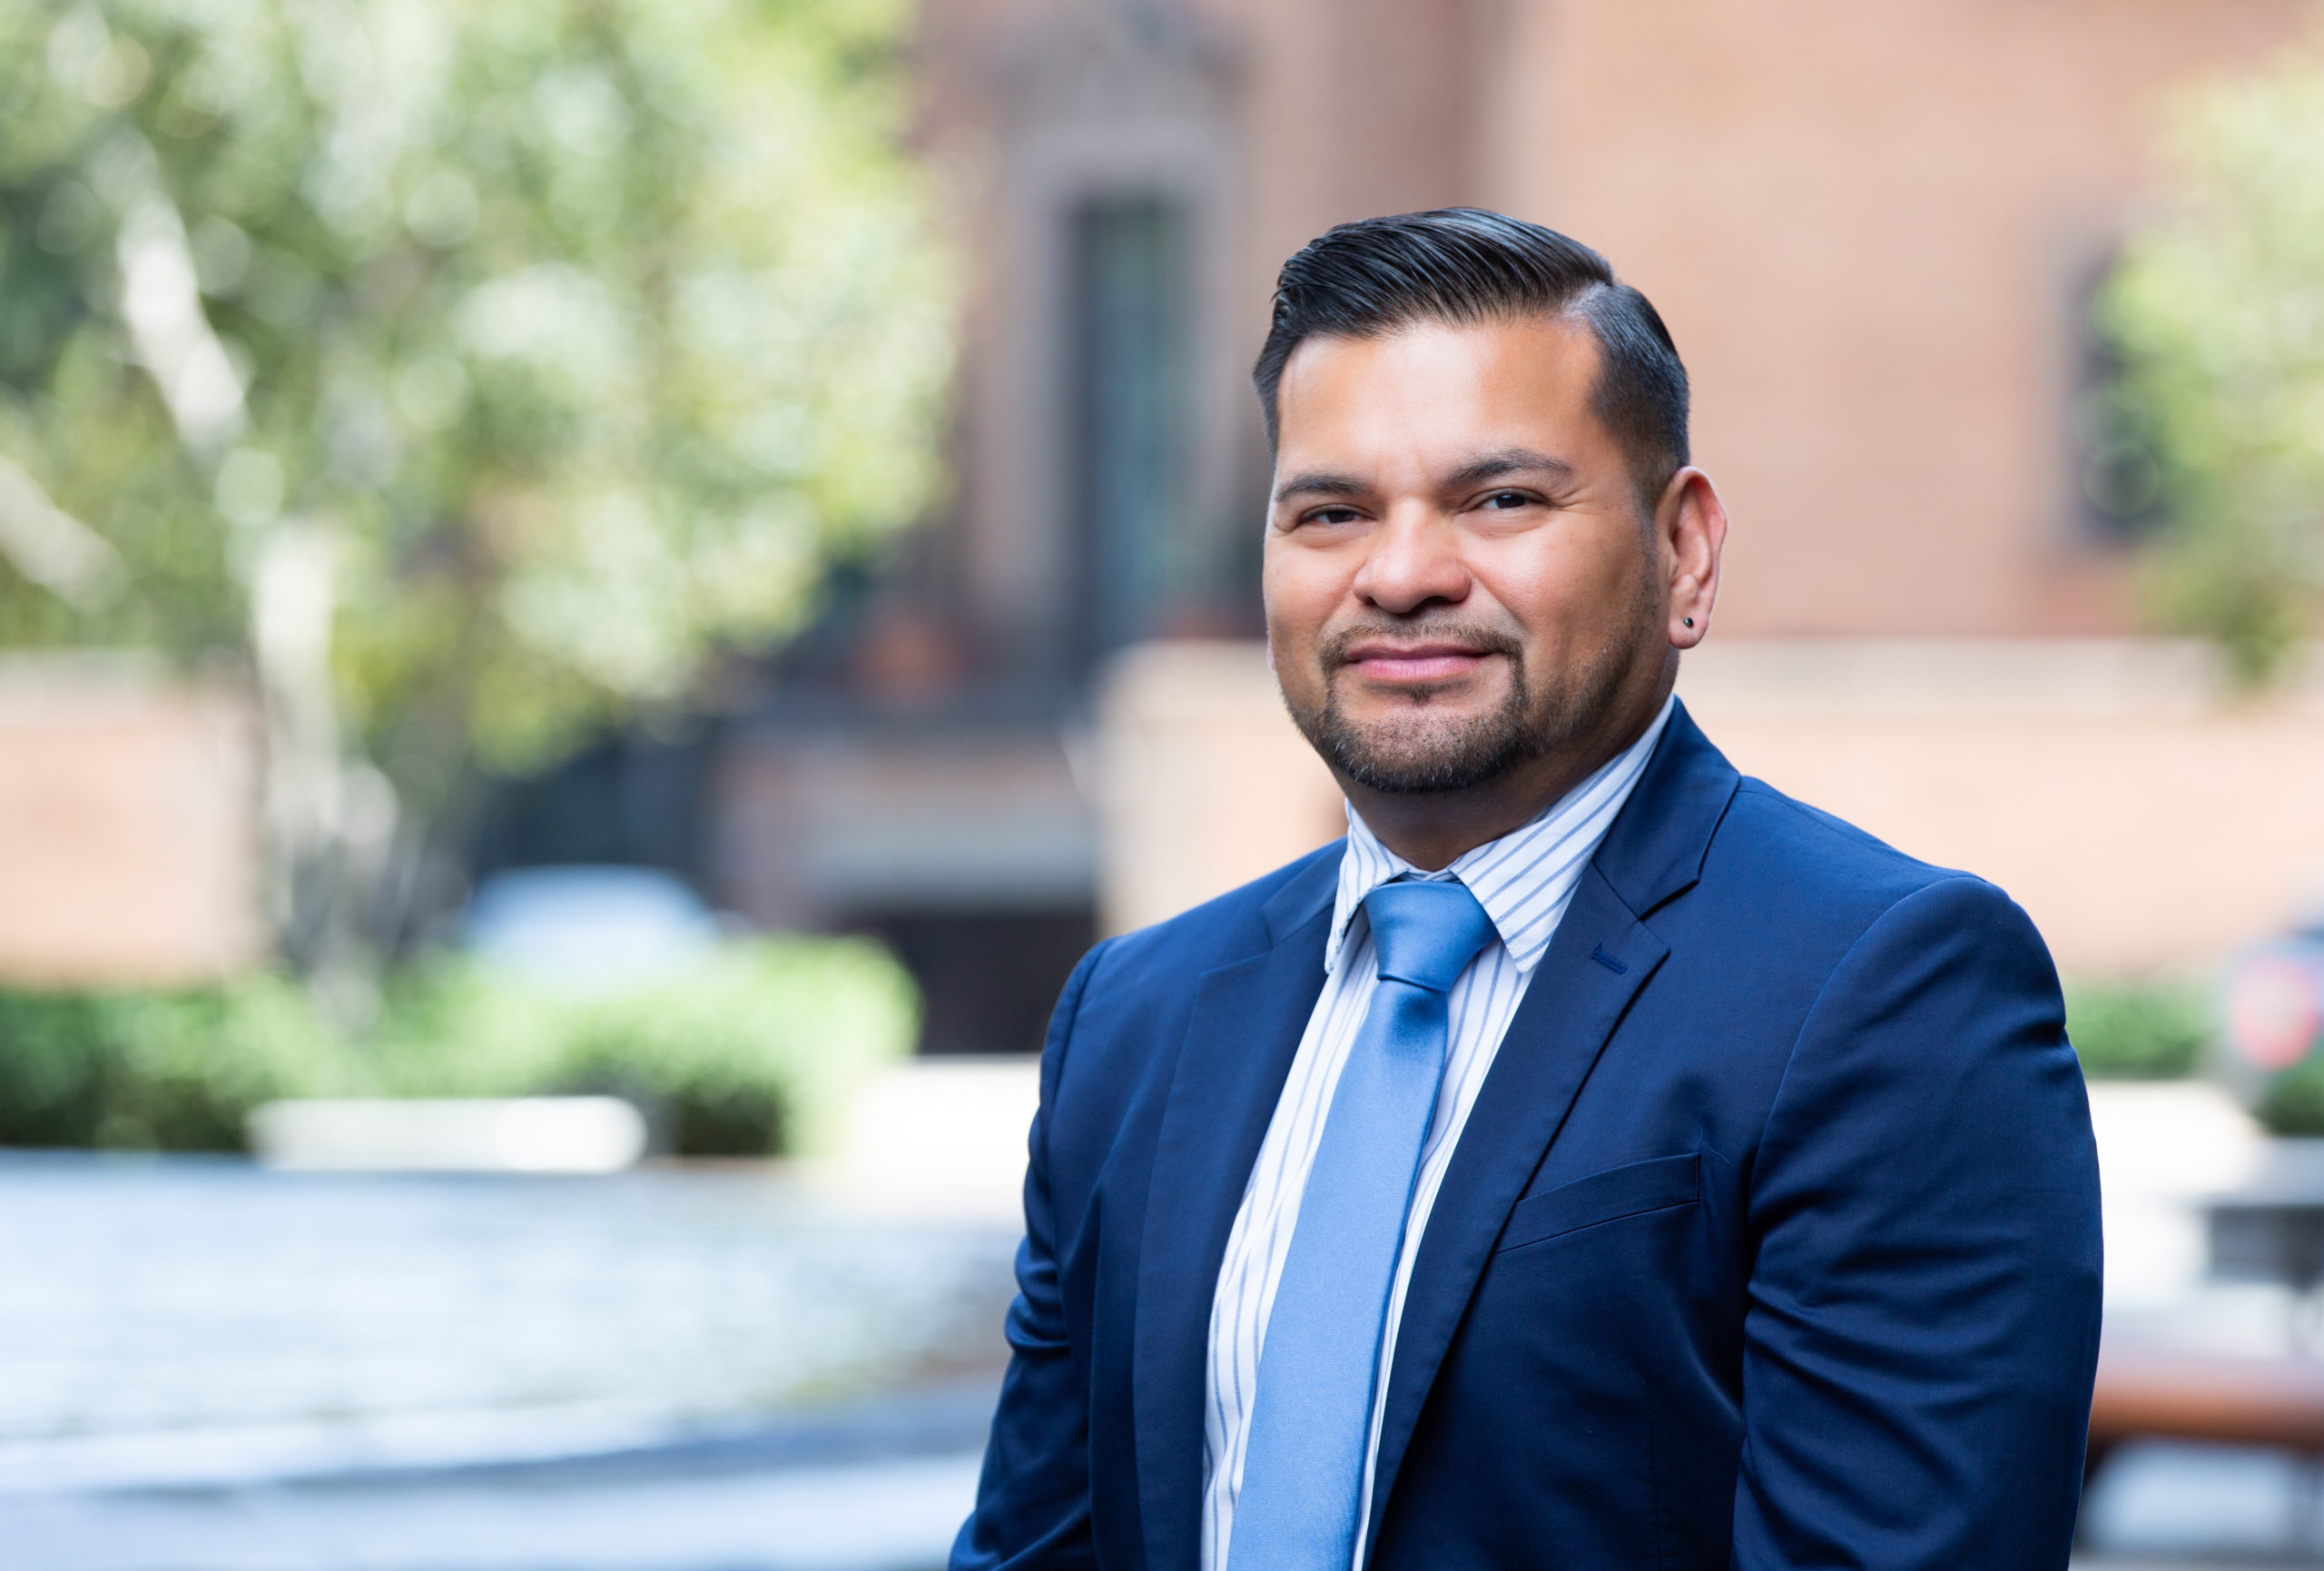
<point x="1597" y="1159"/>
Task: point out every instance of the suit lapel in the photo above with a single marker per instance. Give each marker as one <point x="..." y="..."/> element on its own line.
<point x="1602" y="954"/>
<point x="1243" y="1034"/>
<point x="1570" y="1008"/>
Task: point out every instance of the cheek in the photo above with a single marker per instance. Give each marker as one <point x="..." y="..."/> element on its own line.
<point x="1300" y="589"/>
<point x="1562" y="598"/>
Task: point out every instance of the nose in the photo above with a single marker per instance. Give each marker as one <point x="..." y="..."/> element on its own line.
<point x="1414" y="561"/>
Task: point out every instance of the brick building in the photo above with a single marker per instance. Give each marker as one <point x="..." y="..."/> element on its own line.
<point x="1873" y="230"/>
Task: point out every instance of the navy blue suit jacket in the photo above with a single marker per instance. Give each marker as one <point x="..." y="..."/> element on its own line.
<point x="1772" y="1240"/>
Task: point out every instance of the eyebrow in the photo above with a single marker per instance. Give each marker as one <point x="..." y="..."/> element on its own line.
<point x="1322" y="483"/>
<point x="1476" y="471"/>
<point x="1508" y="461"/>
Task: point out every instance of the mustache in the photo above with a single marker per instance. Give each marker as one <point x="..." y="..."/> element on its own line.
<point x="1331" y="650"/>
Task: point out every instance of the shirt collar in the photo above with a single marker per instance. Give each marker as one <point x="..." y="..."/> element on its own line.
<point x="1525" y="879"/>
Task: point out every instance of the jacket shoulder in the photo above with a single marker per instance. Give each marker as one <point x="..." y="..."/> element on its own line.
<point x="1129" y="1003"/>
<point x="1240" y="922"/>
<point x="1827" y="887"/>
<point x="1783" y="847"/>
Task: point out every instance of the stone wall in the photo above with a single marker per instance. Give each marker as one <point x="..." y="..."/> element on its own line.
<point x="2144" y="817"/>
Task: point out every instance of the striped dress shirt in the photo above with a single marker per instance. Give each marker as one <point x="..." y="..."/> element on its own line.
<point x="1524" y="880"/>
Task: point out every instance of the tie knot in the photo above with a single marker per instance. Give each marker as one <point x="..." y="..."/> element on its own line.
<point x="1426" y="934"/>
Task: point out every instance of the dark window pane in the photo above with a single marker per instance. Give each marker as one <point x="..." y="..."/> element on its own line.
<point x="1130" y="331"/>
<point x="2118" y="483"/>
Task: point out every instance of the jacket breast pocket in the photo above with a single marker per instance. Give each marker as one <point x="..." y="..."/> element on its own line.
<point x="1661" y="1184"/>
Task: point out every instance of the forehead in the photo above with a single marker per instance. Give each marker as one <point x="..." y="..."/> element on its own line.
<point x="1433" y="393"/>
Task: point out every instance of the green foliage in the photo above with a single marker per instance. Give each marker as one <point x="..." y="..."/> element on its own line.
<point x="753" y="1050"/>
<point x="585" y="330"/>
<point x="171" y="1071"/>
<point x="2218" y="312"/>
<point x="2294" y="1102"/>
<point x="2138" y="1030"/>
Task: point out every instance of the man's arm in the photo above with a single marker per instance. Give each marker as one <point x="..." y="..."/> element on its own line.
<point x="1923" y="1325"/>
<point x="1033" y="1501"/>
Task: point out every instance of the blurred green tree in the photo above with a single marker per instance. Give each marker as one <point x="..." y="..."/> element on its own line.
<point x="2216" y="310"/>
<point x="478" y="372"/>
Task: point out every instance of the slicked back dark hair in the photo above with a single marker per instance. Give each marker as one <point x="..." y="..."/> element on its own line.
<point x="1464" y="265"/>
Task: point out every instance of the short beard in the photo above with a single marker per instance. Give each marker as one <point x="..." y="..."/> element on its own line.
<point x="1428" y="753"/>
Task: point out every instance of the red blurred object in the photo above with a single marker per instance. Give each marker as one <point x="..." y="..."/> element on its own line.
<point x="2273" y="1011"/>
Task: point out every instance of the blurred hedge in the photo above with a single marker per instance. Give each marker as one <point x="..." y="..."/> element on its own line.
<point x="170" y="1072"/>
<point x="2293" y="1102"/>
<point x="2138" y="1030"/>
<point x="750" y="1051"/>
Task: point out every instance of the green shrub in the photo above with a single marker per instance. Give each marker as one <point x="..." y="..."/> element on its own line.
<point x="2138" y="1030"/>
<point x="750" y="1051"/>
<point x="166" y="1071"/>
<point x="2293" y="1102"/>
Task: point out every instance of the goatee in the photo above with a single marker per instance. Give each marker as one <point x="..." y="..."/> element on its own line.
<point x="1426" y="750"/>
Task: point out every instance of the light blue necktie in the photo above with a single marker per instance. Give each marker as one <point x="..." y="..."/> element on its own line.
<point x="1311" y="1421"/>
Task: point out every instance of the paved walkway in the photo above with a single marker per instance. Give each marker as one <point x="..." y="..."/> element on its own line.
<point x="876" y="1485"/>
<point x="209" y="1368"/>
<point x="891" y="1515"/>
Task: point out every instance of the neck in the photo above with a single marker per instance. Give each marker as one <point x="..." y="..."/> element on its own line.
<point x="1431" y="829"/>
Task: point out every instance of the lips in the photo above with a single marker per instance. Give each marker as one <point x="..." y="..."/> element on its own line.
<point x="1407" y="664"/>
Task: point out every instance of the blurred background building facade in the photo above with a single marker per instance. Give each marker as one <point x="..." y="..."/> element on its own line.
<point x="1876" y="240"/>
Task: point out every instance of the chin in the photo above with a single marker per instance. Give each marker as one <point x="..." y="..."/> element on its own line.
<point x="1418" y="725"/>
<point x="1442" y="739"/>
<point x="1448" y="753"/>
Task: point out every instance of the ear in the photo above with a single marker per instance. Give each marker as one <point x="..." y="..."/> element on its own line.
<point x="1691" y="529"/>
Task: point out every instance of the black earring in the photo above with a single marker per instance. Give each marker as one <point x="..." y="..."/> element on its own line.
<point x="1689" y="620"/>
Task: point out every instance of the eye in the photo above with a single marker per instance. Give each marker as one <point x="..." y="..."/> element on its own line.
<point x="1504" y="501"/>
<point x="1331" y="515"/>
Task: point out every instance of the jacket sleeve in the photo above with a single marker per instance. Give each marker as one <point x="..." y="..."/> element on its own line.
<point x="1922" y="1327"/>
<point x="1033" y="1510"/>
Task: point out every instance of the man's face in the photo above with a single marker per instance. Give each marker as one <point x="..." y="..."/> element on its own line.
<point x="1458" y="576"/>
